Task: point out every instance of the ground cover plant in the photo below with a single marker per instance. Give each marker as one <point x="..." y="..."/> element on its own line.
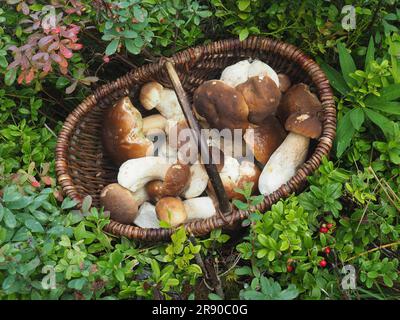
<point x="338" y="239"/>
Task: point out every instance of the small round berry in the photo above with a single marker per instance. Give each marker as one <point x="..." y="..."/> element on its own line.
<point x="323" y="263"/>
<point x="327" y="250"/>
<point x="323" y="230"/>
<point x="289" y="268"/>
<point x="35" y="184"/>
<point x="106" y="59"/>
<point x="329" y="225"/>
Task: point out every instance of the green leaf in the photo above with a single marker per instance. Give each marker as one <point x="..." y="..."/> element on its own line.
<point x="3" y="62"/>
<point x="10" y="76"/>
<point x="213" y="296"/>
<point x="1" y="212"/>
<point x="9" y="219"/>
<point x="119" y="274"/>
<point x="389" y="93"/>
<point x="346" y="64"/>
<point x="131" y="46"/>
<point x="77" y="284"/>
<point x="381" y="121"/>
<point x="112" y="47"/>
<point x="243" y="4"/>
<point x="244" y="33"/>
<point x="335" y="78"/>
<point x="391" y="107"/>
<point x="284" y="245"/>
<point x="156" y="269"/>
<point x="345" y="133"/>
<point x="34" y="225"/>
<point x="357" y="117"/>
<point x="68" y="203"/>
<point x="62" y="82"/>
<point x="370" y="56"/>
<point x="271" y="255"/>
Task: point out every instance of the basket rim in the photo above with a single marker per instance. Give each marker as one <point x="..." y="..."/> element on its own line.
<point x="202" y="227"/>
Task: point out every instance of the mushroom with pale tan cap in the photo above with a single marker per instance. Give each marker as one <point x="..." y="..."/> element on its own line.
<point x="122" y="133"/>
<point x="171" y="210"/>
<point x="147" y="216"/>
<point x="264" y="139"/>
<point x="154" y="95"/>
<point x="122" y="203"/>
<point x="197" y="182"/>
<point x="221" y="105"/>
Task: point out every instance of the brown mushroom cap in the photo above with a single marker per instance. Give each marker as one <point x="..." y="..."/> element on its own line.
<point x="305" y="124"/>
<point x="171" y="210"/>
<point x="265" y="139"/>
<point x="298" y="98"/>
<point x="175" y="181"/>
<point x="122" y="134"/>
<point x="121" y="203"/>
<point x="221" y="105"/>
<point x="262" y="97"/>
<point x="284" y="82"/>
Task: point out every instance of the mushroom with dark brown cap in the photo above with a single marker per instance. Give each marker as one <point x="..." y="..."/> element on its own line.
<point x="298" y="98"/>
<point x="122" y="203"/>
<point x="264" y="139"/>
<point x="262" y="96"/>
<point x="171" y="210"/>
<point x="221" y="105"/>
<point x="122" y="134"/>
<point x="175" y="181"/>
<point x="304" y="123"/>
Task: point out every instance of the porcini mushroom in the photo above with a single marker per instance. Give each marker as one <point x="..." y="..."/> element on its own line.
<point x="147" y="216"/>
<point x="122" y="133"/>
<point x="298" y="98"/>
<point x="199" y="208"/>
<point x="171" y="210"/>
<point x="262" y="96"/>
<point x="175" y="181"/>
<point x="261" y="69"/>
<point x="154" y="95"/>
<point x="122" y="203"/>
<point x="222" y="105"/>
<point x="134" y="174"/>
<point x="263" y="140"/>
<point x="284" y="162"/>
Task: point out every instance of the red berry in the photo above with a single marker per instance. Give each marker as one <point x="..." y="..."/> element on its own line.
<point x="323" y="230"/>
<point x="327" y="250"/>
<point x="35" y="184"/>
<point x="289" y="268"/>
<point x="329" y="225"/>
<point x="323" y="263"/>
<point x="106" y="59"/>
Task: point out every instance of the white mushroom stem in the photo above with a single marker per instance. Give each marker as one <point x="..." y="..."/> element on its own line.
<point x="231" y="171"/>
<point x="147" y="216"/>
<point x="135" y="173"/>
<point x="154" y="124"/>
<point x="283" y="163"/>
<point x="198" y="181"/>
<point x="199" y="208"/>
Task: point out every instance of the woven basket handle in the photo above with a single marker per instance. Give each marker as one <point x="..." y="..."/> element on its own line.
<point x="212" y="172"/>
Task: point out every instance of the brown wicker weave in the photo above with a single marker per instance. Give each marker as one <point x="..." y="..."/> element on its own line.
<point x="83" y="169"/>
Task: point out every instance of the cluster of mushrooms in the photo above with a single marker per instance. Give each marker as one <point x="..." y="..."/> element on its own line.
<point x="277" y="120"/>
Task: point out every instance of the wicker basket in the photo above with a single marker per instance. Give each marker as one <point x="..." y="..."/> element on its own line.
<point x="84" y="169"/>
